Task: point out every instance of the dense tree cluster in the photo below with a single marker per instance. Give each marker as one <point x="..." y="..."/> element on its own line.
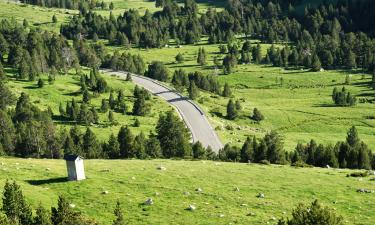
<point x="343" y="97"/>
<point x="182" y="80"/>
<point x="125" y="62"/>
<point x="158" y="71"/>
<point x="32" y="52"/>
<point x="267" y="149"/>
<point x="353" y="153"/>
<point x="69" y="4"/>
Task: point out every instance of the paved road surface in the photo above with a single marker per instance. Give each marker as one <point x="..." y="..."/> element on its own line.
<point x="194" y="118"/>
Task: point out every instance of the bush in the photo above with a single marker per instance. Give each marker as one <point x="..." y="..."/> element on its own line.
<point x="313" y="214"/>
<point x="358" y="174"/>
<point x="301" y="164"/>
<point x="265" y="162"/>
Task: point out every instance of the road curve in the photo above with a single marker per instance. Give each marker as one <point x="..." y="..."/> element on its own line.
<point x="192" y="115"/>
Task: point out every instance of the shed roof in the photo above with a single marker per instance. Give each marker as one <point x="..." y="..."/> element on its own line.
<point x="71" y="157"/>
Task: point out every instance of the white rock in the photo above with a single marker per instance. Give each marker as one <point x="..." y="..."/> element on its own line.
<point x="198" y="189"/>
<point x="221" y="215"/>
<point x="72" y="205"/>
<point x="105" y="192"/>
<point x="260" y="195"/>
<point x="191" y="207"/>
<point x="236" y="189"/>
<point x="149" y="201"/>
<point x="186" y="193"/>
<point x="161" y="168"/>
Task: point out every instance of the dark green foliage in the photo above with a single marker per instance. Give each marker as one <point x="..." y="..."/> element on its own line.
<point x="125" y="139"/>
<point x="231" y="110"/>
<point x="313" y="215"/>
<point x="229" y="62"/>
<point x="257" y="115"/>
<point x="129" y="77"/>
<point x="227" y="91"/>
<point x="141" y="107"/>
<point x="7" y="134"/>
<point x="199" y="152"/>
<point x="173" y="136"/>
<point x="193" y="90"/>
<point x="125" y="62"/>
<point x="179" y="58"/>
<point x="63" y="214"/>
<point x="343" y="97"/>
<point x="153" y="148"/>
<point x="111" y="117"/>
<point x="2" y="73"/>
<point x="15" y="206"/>
<point x="119" y="215"/>
<point x="137" y="123"/>
<point x="112" y="148"/>
<point x="104" y="106"/>
<point x="43" y="216"/>
<point x="352" y="154"/>
<point x="316" y="65"/>
<point x="157" y="70"/>
<point x="54" y="19"/>
<point x="90" y="146"/>
<point x="6" y="96"/>
<point x="201" y="58"/>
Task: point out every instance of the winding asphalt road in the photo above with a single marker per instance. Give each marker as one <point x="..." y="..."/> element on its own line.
<point x="192" y="115"/>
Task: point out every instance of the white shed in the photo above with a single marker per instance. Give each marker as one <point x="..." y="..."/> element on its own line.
<point x="75" y="168"/>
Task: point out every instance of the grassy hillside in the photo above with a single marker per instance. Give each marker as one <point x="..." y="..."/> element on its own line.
<point x="133" y="181"/>
<point x="67" y="87"/>
<point x="300" y="109"/>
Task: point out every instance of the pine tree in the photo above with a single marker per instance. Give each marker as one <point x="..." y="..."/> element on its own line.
<point x="86" y="96"/>
<point x="111" y="117"/>
<point x="179" y="58"/>
<point x="119" y="215"/>
<point x="2" y="73"/>
<point x="247" y="151"/>
<point x="201" y="59"/>
<point x="112" y="101"/>
<point x="316" y="65"/>
<point x="64" y="214"/>
<point x="231" y="110"/>
<point x="227" y="91"/>
<point x="193" y="90"/>
<point x="198" y="151"/>
<point x="129" y="77"/>
<point x="173" y="136"/>
<point x="42" y="216"/>
<point x="153" y="148"/>
<point x="40" y="83"/>
<point x="54" y="19"/>
<point x="140" y="107"/>
<point x="257" y="115"/>
<point x="125" y="139"/>
<point x="15" y="205"/>
<point x="111" y="6"/>
<point x="238" y="105"/>
<point x="352" y="137"/>
<point x="113" y="147"/>
<point x="105" y="106"/>
<point x="90" y="145"/>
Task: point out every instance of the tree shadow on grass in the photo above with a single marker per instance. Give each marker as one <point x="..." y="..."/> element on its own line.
<point x="48" y="181"/>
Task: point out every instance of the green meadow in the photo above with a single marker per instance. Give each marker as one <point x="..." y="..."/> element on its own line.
<point x="229" y="190"/>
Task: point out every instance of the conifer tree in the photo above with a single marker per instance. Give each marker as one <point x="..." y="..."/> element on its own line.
<point x="119" y="215"/>
<point x="227" y="91"/>
<point x="257" y="115"/>
<point x="201" y="58"/>
<point x="179" y="58"/>
<point x="42" y="216"/>
<point x="193" y="90"/>
<point x="316" y="65"/>
<point x="113" y="147"/>
<point x="125" y="139"/>
<point x="231" y="110"/>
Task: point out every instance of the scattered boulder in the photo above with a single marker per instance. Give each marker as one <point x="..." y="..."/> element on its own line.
<point x="48" y="169"/>
<point x="191" y="207"/>
<point x="72" y="205"/>
<point x="186" y="193"/>
<point x="251" y="214"/>
<point x="260" y="195"/>
<point x="236" y="189"/>
<point x="328" y="167"/>
<point x="161" y="168"/>
<point x="371" y="173"/>
<point x="105" y="192"/>
<point x="198" y="190"/>
<point x="243" y="204"/>
<point x="221" y="215"/>
<point x="157" y="193"/>
<point x="149" y="201"/>
<point x="362" y="190"/>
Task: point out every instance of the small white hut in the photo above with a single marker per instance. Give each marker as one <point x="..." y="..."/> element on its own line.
<point x="74" y="165"/>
